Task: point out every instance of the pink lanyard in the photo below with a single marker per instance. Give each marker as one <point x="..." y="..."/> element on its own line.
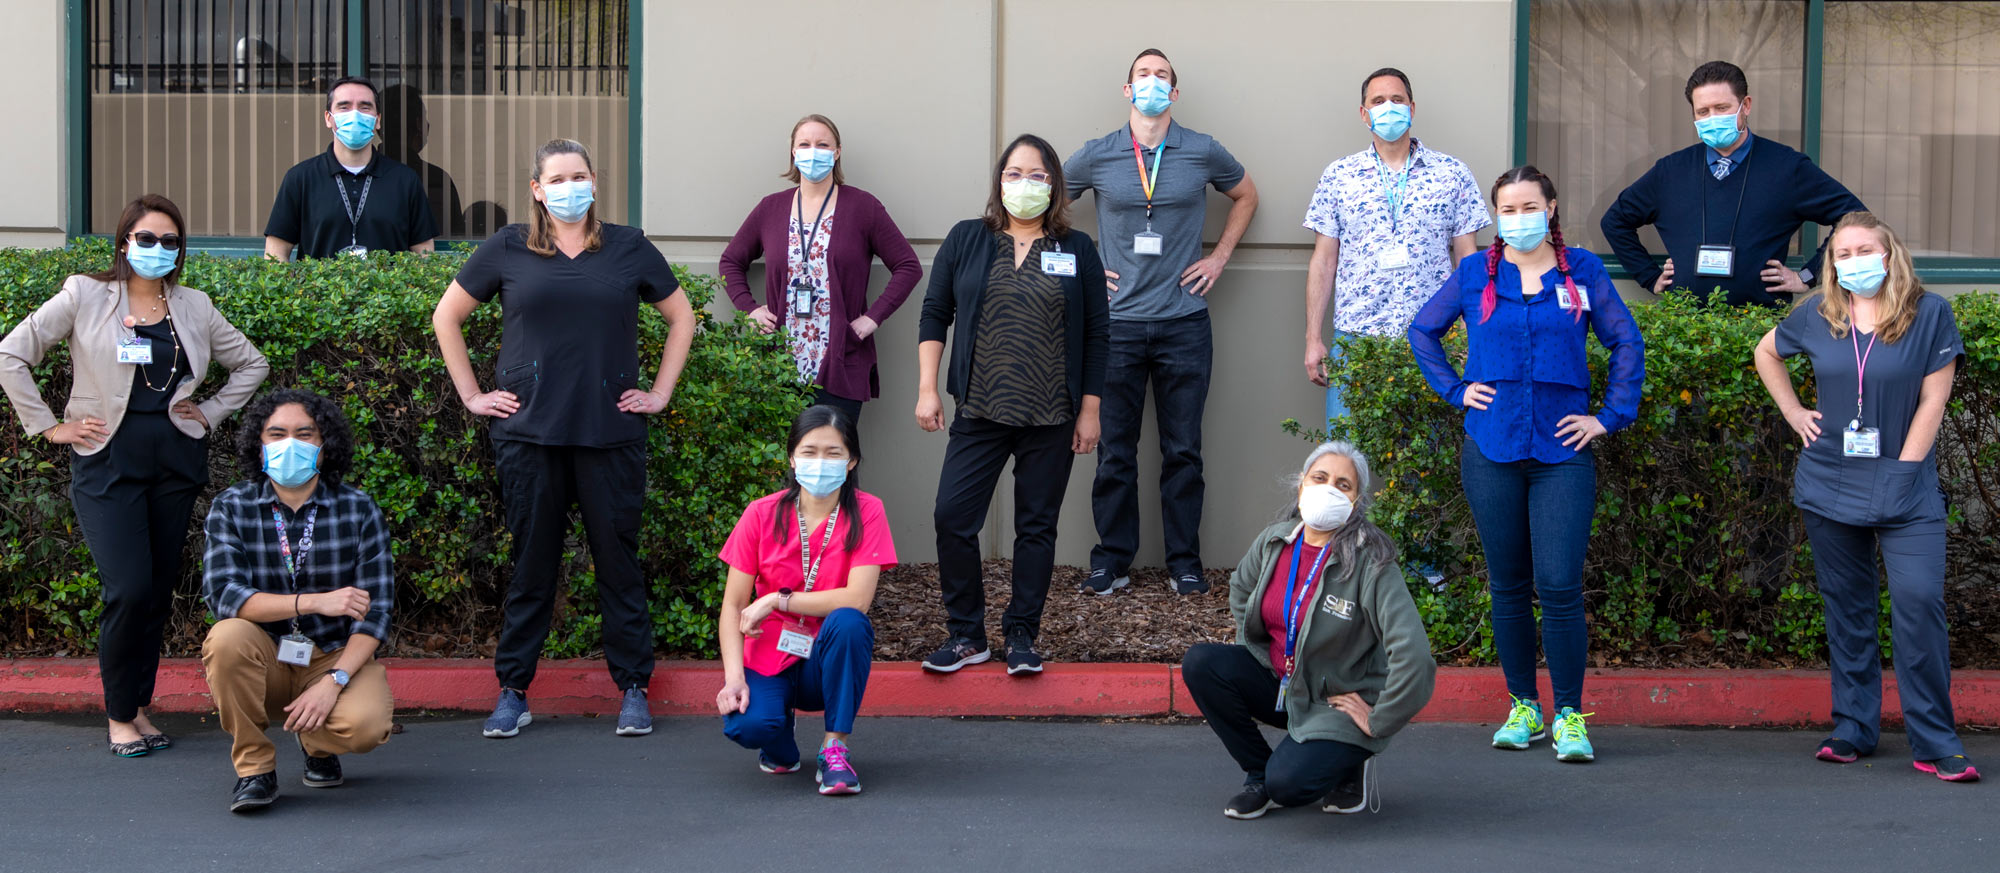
<point x="1860" y="368"/>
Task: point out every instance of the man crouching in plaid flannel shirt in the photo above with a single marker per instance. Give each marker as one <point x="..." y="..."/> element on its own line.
<point x="300" y="576"/>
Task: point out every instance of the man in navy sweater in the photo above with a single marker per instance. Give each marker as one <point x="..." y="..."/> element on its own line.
<point x="1727" y="207"/>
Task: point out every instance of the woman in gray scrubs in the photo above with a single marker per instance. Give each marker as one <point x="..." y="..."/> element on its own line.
<point x="1883" y="352"/>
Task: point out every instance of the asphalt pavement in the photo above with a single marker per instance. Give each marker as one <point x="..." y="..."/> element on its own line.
<point x="979" y="795"/>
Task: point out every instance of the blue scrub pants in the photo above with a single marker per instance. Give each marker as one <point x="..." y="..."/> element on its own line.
<point x="832" y="680"/>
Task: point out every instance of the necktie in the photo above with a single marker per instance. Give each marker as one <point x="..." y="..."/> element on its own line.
<point x="1720" y="168"/>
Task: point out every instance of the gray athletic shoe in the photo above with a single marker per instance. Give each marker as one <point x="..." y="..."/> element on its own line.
<point x="635" y="718"/>
<point x="509" y="715"/>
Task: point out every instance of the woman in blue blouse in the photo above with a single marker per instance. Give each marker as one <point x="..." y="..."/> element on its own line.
<point x="1529" y="474"/>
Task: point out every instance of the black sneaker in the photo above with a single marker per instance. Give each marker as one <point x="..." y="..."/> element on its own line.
<point x="956" y="653"/>
<point x="1837" y="751"/>
<point x="1190" y="583"/>
<point x="1953" y="769"/>
<point x="254" y="792"/>
<point x="1101" y="581"/>
<point x="1251" y="803"/>
<point x="1021" y="657"/>
<point x="320" y="772"/>
<point x="1352" y="795"/>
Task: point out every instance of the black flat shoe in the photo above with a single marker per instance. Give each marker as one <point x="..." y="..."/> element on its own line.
<point x="156" y="742"/>
<point x="134" y="749"/>
<point x="320" y="772"/>
<point x="254" y="792"/>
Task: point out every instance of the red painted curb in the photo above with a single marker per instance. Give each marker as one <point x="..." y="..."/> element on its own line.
<point x="1745" y="698"/>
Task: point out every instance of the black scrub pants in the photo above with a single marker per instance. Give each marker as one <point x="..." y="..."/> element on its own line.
<point x="1235" y="692"/>
<point x="978" y="450"/>
<point x="133" y="499"/>
<point x="1850" y="584"/>
<point x="539" y="485"/>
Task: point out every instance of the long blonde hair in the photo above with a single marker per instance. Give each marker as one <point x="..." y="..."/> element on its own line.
<point x="541" y="233"/>
<point x="1895" y="305"/>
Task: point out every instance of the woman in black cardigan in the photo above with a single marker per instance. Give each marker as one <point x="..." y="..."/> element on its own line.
<point x="1027" y="370"/>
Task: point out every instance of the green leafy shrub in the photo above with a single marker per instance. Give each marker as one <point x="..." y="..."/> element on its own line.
<point x="1696" y="548"/>
<point x="360" y="332"/>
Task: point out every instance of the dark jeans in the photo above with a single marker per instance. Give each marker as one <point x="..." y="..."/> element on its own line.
<point x="1849" y="583"/>
<point x="1175" y="355"/>
<point x="823" y="397"/>
<point x="832" y="680"/>
<point x="972" y="464"/>
<point x="539" y="484"/>
<point x="1235" y="692"/>
<point x="133" y="499"/>
<point x="1534" y="522"/>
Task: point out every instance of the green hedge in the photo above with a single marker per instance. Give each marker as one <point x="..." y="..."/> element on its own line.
<point x="1697" y="554"/>
<point x="360" y="332"/>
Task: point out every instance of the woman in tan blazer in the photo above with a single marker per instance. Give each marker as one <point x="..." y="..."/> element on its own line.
<point x="139" y="345"/>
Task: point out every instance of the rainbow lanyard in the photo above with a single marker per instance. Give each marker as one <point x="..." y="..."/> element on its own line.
<point x="1146" y="182"/>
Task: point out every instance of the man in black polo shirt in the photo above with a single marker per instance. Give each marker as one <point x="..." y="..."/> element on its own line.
<point x="350" y="199"/>
<point x="1726" y="207"/>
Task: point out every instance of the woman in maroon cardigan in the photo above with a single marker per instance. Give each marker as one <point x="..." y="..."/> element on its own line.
<point x="830" y="233"/>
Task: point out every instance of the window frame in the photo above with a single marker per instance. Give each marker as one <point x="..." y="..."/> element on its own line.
<point x="1935" y="269"/>
<point x="355" y="21"/>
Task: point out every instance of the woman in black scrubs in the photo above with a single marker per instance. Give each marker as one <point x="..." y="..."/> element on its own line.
<point x="1883" y="353"/>
<point x="569" y="426"/>
<point x="140" y="344"/>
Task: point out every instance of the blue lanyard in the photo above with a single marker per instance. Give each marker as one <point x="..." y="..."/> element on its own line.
<point x="1394" y="193"/>
<point x="1292" y="619"/>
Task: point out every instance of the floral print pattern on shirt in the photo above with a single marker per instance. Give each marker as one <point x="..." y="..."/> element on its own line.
<point x="807" y="334"/>
<point x="1442" y="201"/>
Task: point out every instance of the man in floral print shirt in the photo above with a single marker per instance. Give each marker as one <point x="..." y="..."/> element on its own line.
<point x="1392" y="221"/>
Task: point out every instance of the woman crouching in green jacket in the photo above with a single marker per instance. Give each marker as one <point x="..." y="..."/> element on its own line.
<point x="1329" y="647"/>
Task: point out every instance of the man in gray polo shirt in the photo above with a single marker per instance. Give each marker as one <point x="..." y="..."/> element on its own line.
<point x="1151" y="177"/>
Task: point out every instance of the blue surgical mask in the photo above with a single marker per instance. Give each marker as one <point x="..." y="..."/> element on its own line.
<point x="1862" y="274"/>
<point x="1719" y="131"/>
<point x="1389" y="120"/>
<point x="814" y="164"/>
<point x="569" y="202"/>
<point x="1524" y="231"/>
<point x="151" y="261"/>
<point x="354" y="129"/>
<point x="820" y="476"/>
<point x="1152" y="95"/>
<point x="291" y="463"/>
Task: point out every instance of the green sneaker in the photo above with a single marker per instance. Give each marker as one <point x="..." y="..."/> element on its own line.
<point x="1524" y="726"/>
<point x="1572" y="738"/>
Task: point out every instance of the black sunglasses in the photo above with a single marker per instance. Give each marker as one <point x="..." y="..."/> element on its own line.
<point x="146" y="240"/>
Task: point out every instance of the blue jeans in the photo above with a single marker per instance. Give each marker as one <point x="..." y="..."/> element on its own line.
<point x="1534" y="522"/>
<point x="1844" y="563"/>
<point x="833" y="680"/>
<point x="1175" y="356"/>
<point x="1336" y="402"/>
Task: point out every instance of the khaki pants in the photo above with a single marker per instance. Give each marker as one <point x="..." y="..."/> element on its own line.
<point x="251" y="690"/>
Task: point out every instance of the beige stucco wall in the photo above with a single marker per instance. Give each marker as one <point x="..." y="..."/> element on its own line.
<point x="32" y="212"/>
<point x="925" y="93"/>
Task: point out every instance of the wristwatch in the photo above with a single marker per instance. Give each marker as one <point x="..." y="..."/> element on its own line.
<point x="340" y="677"/>
<point x="785" y="599"/>
<point x="1805" y="277"/>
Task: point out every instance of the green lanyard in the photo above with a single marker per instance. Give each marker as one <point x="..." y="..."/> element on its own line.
<point x="1394" y="193"/>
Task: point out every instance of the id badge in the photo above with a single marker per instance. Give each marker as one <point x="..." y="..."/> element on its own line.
<point x="1715" y="261"/>
<point x="295" y="649"/>
<point x="795" y="643"/>
<point x="1283" y="685"/>
<point x="137" y="350"/>
<point x="1562" y="297"/>
<point x="358" y="251"/>
<point x="1146" y="242"/>
<point x="1394" y="256"/>
<point x="1864" y="442"/>
<point x="801" y="295"/>
<point x="1058" y="264"/>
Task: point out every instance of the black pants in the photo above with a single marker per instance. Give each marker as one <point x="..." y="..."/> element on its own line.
<point x="1235" y="692"/>
<point x="540" y="484"/>
<point x="823" y="397"/>
<point x="1175" y="356"/>
<point x="134" y="499"/>
<point x="972" y="464"/>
